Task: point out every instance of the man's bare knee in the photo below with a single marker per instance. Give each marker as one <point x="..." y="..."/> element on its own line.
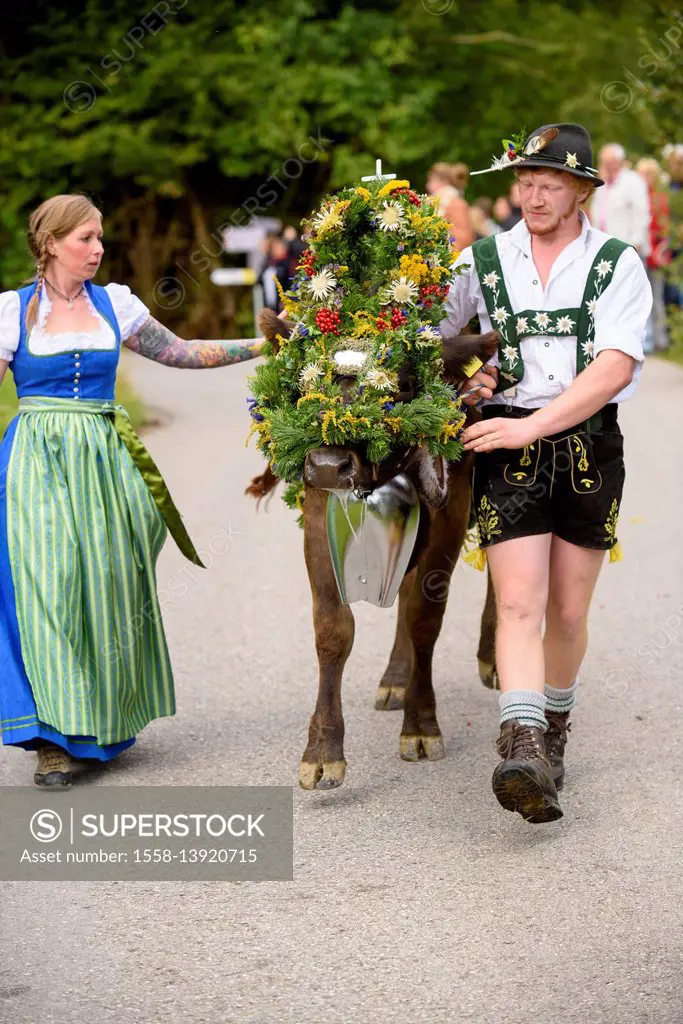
<point x="519" y="609"/>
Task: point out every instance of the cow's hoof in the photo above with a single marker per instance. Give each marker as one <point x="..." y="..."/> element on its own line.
<point x="417" y="748"/>
<point x="488" y="675"/>
<point x="390" y="698"/>
<point x="329" y="775"/>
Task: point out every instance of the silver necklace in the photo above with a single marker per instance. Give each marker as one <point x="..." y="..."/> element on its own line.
<point x="69" y="301"/>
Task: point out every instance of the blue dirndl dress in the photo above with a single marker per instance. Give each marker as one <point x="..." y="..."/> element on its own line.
<point x="83" y="656"/>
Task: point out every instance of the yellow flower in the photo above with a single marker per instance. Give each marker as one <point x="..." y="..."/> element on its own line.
<point x="390" y="186"/>
<point x="319" y="396"/>
<point x="414" y="268"/>
<point x="366" y="326"/>
<point x="289" y="304"/>
<point x="451" y="429"/>
<point x="436" y="273"/>
<point x="362" y="192"/>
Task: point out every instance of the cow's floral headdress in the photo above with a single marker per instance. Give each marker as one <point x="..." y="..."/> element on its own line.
<point x="366" y="304"/>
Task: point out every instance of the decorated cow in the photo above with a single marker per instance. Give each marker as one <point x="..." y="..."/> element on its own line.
<point x="357" y="409"/>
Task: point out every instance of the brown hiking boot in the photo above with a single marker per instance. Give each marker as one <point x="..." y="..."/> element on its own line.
<point x="555" y="742"/>
<point x="523" y="780"/>
<point x="53" y="770"/>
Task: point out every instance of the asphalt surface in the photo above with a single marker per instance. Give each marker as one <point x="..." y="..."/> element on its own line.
<point x="416" y="897"/>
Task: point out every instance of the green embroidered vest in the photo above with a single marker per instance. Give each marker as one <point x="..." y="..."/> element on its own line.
<point x="514" y="327"/>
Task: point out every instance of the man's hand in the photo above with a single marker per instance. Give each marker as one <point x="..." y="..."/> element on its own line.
<point x="487" y="378"/>
<point x="488" y="435"/>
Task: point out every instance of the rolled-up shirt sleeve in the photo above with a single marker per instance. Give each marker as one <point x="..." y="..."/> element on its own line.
<point x="9" y="325"/>
<point x="461" y="301"/>
<point x="622" y="311"/>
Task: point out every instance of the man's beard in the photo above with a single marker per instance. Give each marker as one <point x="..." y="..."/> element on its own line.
<point x="546" y="228"/>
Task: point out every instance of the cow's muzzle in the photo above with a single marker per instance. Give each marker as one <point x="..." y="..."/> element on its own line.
<point x="335" y="469"/>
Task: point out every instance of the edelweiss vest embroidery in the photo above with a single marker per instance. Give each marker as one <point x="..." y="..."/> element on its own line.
<point x="513" y="326"/>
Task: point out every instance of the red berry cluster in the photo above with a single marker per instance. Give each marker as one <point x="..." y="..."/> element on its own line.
<point x="398" y="319"/>
<point x="328" y="320"/>
<point x="382" y="322"/>
<point x="308" y="262"/>
<point x="413" y="197"/>
<point x="429" y="293"/>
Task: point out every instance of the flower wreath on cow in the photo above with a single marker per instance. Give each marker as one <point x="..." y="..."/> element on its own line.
<point x="362" y="363"/>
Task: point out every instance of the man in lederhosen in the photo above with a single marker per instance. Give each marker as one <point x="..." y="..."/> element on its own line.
<point x="571" y="305"/>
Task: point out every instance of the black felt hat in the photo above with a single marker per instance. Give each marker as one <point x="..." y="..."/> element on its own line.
<point x="562" y="147"/>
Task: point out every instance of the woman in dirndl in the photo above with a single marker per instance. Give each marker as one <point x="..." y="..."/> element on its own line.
<point x="83" y="509"/>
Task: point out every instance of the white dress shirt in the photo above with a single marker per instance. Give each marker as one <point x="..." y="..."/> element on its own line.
<point x="621" y="312"/>
<point x="622" y="209"/>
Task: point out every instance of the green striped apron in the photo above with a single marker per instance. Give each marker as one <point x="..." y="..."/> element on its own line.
<point x="86" y="520"/>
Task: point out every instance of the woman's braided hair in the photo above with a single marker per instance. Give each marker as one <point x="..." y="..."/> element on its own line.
<point x="56" y="217"/>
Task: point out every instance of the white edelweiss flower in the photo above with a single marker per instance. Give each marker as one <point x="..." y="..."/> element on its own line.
<point x="349" y="361"/>
<point x="510" y="355"/>
<point x="543" y="320"/>
<point x="391" y="217"/>
<point x="522" y="325"/>
<point x="402" y="292"/>
<point x="500" y="315"/>
<point x="491" y="279"/>
<point x="379" y="379"/>
<point x="604" y="267"/>
<point x="310" y="375"/>
<point x="564" y="325"/>
<point x="587" y="347"/>
<point x="323" y="284"/>
<point x="571" y="160"/>
<point x="592" y="303"/>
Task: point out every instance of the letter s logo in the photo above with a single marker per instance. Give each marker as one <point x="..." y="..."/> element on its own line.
<point x="46" y="826"/>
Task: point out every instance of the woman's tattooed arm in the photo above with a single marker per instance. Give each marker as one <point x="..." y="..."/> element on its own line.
<point x="155" y="341"/>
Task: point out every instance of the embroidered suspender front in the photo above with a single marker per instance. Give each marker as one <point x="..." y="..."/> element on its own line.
<point x="514" y="327"/>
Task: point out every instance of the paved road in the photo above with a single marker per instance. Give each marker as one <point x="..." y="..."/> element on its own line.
<point x="416" y="897"/>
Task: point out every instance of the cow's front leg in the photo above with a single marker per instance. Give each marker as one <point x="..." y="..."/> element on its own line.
<point x="420" y="735"/>
<point x="323" y="765"/>
<point x="392" y="688"/>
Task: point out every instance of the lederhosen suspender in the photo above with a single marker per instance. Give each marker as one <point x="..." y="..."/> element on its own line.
<point x="514" y="327"/>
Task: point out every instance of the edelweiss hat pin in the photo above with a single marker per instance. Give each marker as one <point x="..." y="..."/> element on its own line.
<point x="562" y="147"/>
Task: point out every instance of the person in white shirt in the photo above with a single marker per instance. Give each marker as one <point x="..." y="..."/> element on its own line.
<point x="622" y="207"/>
<point x="571" y="306"/>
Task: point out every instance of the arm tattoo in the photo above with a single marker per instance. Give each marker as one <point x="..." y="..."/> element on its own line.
<point x="154" y="341"/>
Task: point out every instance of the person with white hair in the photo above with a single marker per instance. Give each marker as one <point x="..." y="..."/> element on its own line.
<point x="622" y="207"/>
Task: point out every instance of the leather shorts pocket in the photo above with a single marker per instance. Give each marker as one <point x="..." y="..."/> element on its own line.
<point x="586" y="477"/>
<point x="524" y="470"/>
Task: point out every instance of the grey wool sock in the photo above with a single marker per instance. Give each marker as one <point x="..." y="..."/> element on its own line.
<point x="527" y="706"/>
<point x="561" y="699"/>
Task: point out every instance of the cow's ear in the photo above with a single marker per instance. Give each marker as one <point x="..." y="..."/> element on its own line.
<point x="458" y="352"/>
<point x="270" y="325"/>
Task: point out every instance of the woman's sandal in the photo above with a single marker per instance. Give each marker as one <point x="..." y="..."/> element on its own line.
<point x="54" y="768"/>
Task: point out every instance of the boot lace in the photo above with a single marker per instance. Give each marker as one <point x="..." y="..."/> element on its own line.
<point x="520" y="742"/>
<point x="558" y="730"/>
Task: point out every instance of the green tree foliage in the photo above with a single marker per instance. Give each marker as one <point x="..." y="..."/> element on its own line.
<point x="177" y="117"/>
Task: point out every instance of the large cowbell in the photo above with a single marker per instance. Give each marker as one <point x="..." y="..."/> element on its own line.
<point x="371" y="540"/>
